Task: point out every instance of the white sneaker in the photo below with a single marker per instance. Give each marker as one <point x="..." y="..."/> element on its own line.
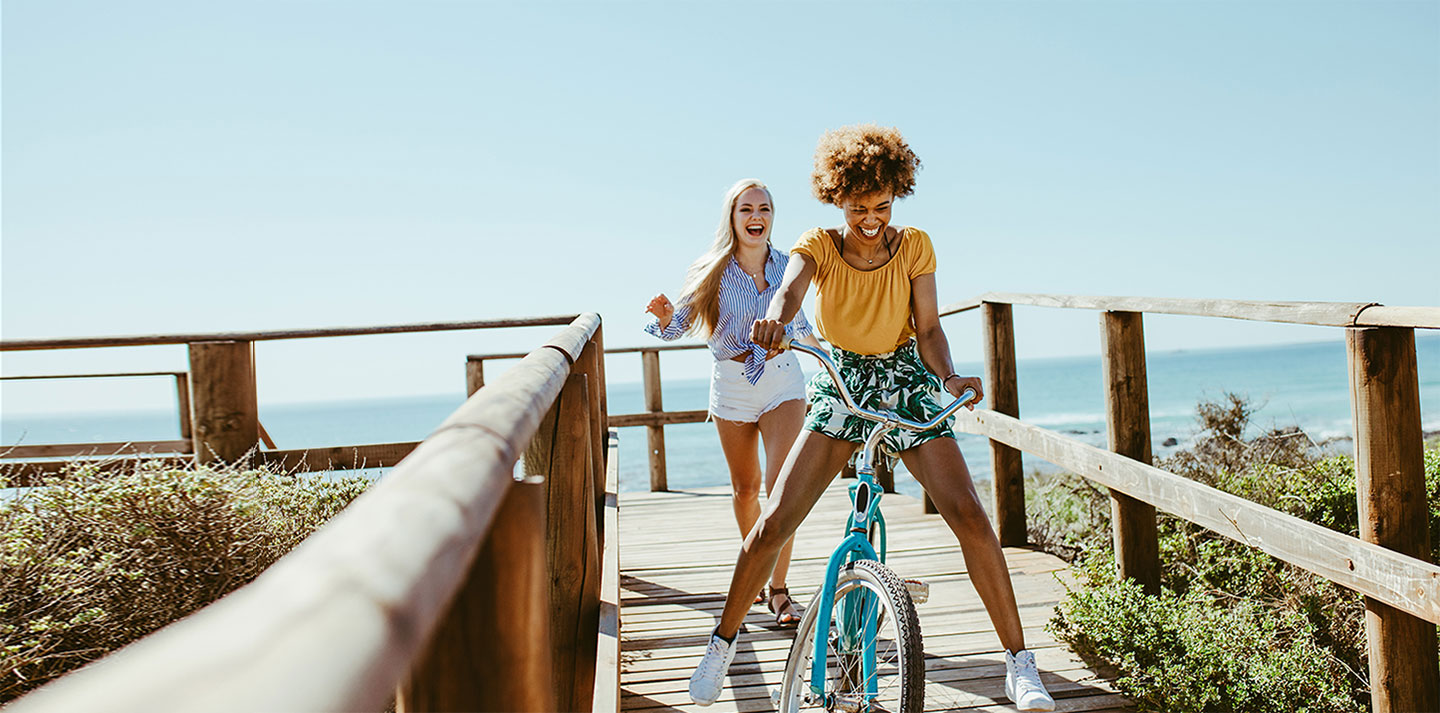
<point x="709" y="677"/>
<point x="1022" y="683"/>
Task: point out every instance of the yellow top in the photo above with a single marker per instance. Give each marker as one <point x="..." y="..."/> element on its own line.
<point x="866" y="311"/>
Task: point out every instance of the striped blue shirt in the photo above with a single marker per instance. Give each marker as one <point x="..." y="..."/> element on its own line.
<point x="740" y="305"/>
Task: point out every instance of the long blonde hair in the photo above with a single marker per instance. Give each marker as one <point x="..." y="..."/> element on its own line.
<point x="702" y="281"/>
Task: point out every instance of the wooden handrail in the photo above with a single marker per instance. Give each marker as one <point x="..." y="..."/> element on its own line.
<point x="1403" y="582"/>
<point x="1325" y="314"/>
<point x="338" y="623"/>
<point x="15" y="345"/>
<point x="1388" y="563"/>
<point x="92" y="376"/>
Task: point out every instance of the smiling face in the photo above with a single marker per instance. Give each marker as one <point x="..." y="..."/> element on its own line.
<point x="750" y="217"/>
<point x="867" y="216"/>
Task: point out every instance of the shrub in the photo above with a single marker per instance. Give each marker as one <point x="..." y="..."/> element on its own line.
<point x="1189" y="652"/>
<point x="1233" y="629"/>
<point x="92" y="561"/>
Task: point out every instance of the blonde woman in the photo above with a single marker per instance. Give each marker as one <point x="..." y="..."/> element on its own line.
<point x="752" y="398"/>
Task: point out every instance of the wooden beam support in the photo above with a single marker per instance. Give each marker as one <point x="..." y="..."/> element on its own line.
<point x="1393" y="510"/>
<point x="1002" y="391"/>
<point x="491" y="651"/>
<point x="560" y="451"/>
<point x="474" y="375"/>
<point x="1127" y="416"/>
<point x="654" y="435"/>
<point x="182" y="404"/>
<point x="227" y="423"/>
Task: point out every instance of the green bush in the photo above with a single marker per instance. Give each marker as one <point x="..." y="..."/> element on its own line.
<point x="1233" y="629"/>
<point x="1190" y="652"/>
<point x="92" y="561"/>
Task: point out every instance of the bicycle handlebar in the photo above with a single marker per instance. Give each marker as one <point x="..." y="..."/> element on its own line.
<point x="885" y="417"/>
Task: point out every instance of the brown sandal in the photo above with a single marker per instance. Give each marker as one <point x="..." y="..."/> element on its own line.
<point x="787" y="614"/>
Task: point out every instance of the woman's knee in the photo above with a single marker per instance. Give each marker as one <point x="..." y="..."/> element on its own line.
<point x="767" y="537"/>
<point x="747" y="492"/>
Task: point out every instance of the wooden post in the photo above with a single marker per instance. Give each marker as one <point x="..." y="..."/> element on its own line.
<point x="491" y="652"/>
<point x="1127" y="416"/>
<point x="885" y="474"/>
<point x="654" y="435"/>
<point x="1003" y="394"/>
<point x="589" y="366"/>
<point x="1390" y="486"/>
<point x="226" y="419"/>
<point x="561" y="452"/>
<point x="182" y="400"/>
<point x="474" y="375"/>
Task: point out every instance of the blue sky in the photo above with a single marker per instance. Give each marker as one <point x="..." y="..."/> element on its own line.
<point x="180" y="166"/>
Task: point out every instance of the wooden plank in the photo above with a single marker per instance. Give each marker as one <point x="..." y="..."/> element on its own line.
<point x="16" y="345"/>
<point x="25" y="474"/>
<point x="1127" y="418"/>
<point x="607" y="651"/>
<point x="1331" y="314"/>
<point x="337" y="623"/>
<point x="1413" y="317"/>
<point x="1393" y="510"/>
<point x="226" y="416"/>
<point x="60" y="450"/>
<point x="492" y="650"/>
<point x="965" y="306"/>
<point x="1002" y="392"/>
<point x="106" y="375"/>
<point x="375" y="455"/>
<point x="1404" y="582"/>
<point x="560" y="452"/>
<point x="182" y="404"/>
<point x="663" y="418"/>
<point x="474" y="376"/>
<point x="672" y="591"/>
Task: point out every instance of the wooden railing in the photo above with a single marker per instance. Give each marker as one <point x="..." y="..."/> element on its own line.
<point x="53" y="450"/>
<point x="655" y="418"/>
<point x="218" y="396"/>
<point x="448" y="585"/>
<point x="1389" y="563"/>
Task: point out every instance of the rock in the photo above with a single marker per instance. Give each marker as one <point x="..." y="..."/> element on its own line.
<point x="1171" y="441"/>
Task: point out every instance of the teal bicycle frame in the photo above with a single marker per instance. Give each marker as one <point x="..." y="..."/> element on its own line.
<point x="856" y="622"/>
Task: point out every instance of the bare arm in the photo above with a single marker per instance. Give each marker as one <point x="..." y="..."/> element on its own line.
<point x="934" y="347"/>
<point x="770" y="331"/>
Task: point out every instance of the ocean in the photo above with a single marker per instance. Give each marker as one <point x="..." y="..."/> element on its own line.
<point x="1304" y="385"/>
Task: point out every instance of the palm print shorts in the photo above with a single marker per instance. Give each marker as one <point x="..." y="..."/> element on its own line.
<point x="896" y="381"/>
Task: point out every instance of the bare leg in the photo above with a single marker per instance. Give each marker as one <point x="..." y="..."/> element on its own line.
<point x="940" y="468"/>
<point x="812" y="464"/>
<point x="779" y="427"/>
<point x="740" y="441"/>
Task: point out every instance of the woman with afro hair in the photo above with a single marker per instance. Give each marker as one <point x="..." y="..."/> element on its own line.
<point x="876" y="305"/>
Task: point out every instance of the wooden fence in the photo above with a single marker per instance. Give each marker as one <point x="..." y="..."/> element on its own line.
<point x="449" y="585"/>
<point x="1390" y="562"/>
<point x="216" y="400"/>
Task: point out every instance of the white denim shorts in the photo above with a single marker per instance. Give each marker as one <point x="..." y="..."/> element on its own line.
<point x="734" y="398"/>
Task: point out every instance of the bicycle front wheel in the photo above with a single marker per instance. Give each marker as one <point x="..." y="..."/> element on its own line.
<point x="872" y="612"/>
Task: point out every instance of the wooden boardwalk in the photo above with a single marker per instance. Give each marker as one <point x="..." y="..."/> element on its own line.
<point x="676" y="555"/>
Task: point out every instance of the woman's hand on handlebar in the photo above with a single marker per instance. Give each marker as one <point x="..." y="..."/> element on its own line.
<point x="770" y="334"/>
<point x="957" y="385"/>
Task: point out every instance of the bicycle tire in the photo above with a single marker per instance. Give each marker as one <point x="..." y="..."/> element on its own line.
<point x="898" y="645"/>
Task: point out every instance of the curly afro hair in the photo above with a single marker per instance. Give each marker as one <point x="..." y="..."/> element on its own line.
<point x="860" y="160"/>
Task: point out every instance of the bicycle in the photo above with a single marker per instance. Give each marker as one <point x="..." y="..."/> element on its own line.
<point x="842" y="653"/>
